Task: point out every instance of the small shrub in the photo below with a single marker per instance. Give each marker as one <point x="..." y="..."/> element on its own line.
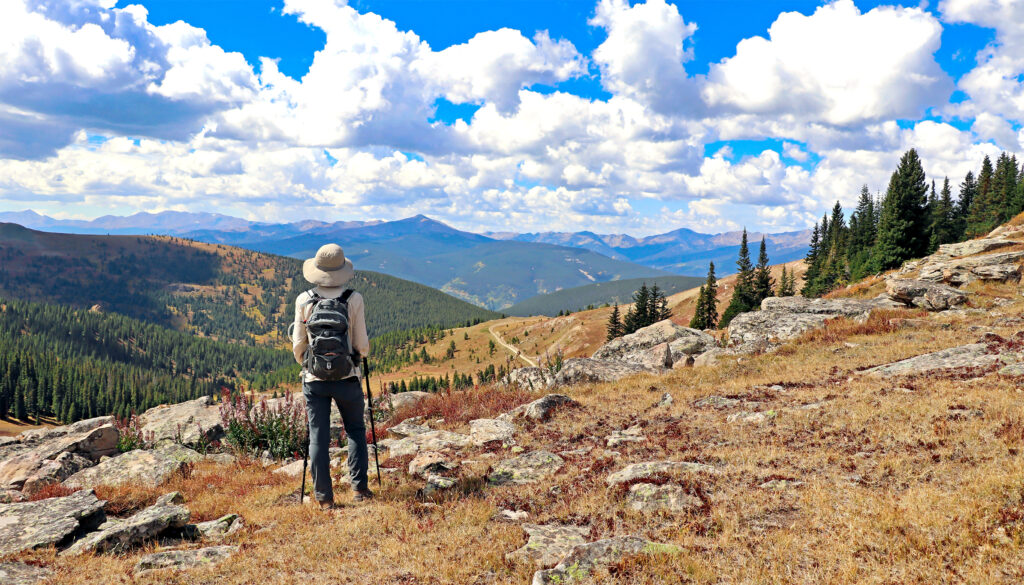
<point x="54" y="490"/>
<point x="130" y="434"/>
<point x="252" y="427"/>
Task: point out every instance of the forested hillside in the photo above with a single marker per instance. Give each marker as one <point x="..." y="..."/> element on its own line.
<point x="211" y="290"/>
<point x="597" y="294"/>
<point x="70" y="364"/>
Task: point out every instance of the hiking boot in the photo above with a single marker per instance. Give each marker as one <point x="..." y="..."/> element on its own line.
<point x="362" y="496"/>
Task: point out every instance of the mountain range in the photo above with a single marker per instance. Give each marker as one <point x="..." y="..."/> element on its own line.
<point x="492" y="270"/>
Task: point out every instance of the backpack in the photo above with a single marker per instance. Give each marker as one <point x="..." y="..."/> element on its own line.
<point x="329" y="355"/>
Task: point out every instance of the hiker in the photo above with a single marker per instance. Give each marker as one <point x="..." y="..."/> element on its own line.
<point x="330" y="367"/>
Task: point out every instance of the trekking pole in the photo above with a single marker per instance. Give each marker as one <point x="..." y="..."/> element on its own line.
<point x="373" y="428"/>
<point x="305" y="462"/>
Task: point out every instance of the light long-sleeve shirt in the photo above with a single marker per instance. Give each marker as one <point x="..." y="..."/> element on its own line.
<point x="357" y="337"/>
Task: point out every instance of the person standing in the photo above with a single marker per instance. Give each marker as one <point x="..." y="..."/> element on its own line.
<point x="328" y="339"/>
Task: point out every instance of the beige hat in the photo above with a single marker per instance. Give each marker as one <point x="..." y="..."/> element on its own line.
<point x="329" y="268"/>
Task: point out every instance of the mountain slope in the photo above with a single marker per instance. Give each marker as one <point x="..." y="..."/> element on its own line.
<point x="218" y="291"/>
<point x="614" y="292"/>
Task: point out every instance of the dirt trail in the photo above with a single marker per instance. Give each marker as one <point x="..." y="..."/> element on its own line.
<point x="512" y="349"/>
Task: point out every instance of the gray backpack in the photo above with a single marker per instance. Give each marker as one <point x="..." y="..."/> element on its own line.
<point x="329" y="355"/>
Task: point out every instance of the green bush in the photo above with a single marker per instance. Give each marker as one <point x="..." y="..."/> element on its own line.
<point x="253" y="427"/>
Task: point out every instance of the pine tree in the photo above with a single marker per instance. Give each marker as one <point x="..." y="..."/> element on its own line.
<point x="979" y="218"/>
<point x="968" y="192"/>
<point x="903" y="226"/>
<point x="705" y="315"/>
<point x="862" y="235"/>
<point x="743" y="293"/>
<point x="787" y="283"/>
<point x="636" y="316"/>
<point x="614" y="325"/>
<point x="20" y="412"/>
<point x="812" y="262"/>
<point x="943" y="219"/>
<point x="763" y="281"/>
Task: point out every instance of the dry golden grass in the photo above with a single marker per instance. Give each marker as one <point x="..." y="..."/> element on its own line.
<point x="905" y="481"/>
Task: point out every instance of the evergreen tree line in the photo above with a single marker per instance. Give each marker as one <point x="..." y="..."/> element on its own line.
<point x="911" y="220"/>
<point x="649" y="307"/>
<point x="67" y="364"/>
<point x="456" y="381"/>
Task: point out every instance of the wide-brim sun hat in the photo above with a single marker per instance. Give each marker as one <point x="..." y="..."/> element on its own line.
<point x="329" y="267"/>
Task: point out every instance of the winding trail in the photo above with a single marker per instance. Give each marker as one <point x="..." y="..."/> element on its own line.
<point x="510" y="348"/>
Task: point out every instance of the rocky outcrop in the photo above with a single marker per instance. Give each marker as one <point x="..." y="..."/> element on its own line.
<point x="541" y="409"/>
<point x="184" y="559"/>
<point x="590" y="370"/>
<point x="185" y="422"/>
<point x="408" y="428"/>
<point x="633" y="434"/>
<point x="924" y="294"/>
<point x="648" y="497"/>
<point x="531" y="379"/>
<point x="436" y="483"/>
<point x="965" y="262"/>
<point x="22" y="574"/>
<point x="29" y="525"/>
<point x="656" y="346"/>
<point x="431" y="441"/>
<point x="974" y="356"/>
<point x="141" y="467"/>
<point x="547" y="544"/>
<point x="490" y="430"/>
<point x="786" y="318"/>
<point x="528" y="468"/>
<point x="429" y="463"/>
<point x="90" y="444"/>
<point x="649" y="469"/>
<point x="221" y="527"/>
<point x="404" y="399"/>
<point x="55" y="471"/>
<point x="121" y="535"/>
<point x="579" y="564"/>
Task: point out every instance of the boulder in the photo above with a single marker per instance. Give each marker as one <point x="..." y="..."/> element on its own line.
<point x="547" y="544"/>
<point x="531" y="378"/>
<point x="408" y="428"/>
<point x="14" y="573"/>
<point x="710" y="357"/>
<point x="432" y="441"/>
<point x="292" y="469"/>
<point x="11" y="496"/>
<point x="633" y="347"/>
<point x="90" y="444"/>
<point x="404" y="399"/>
<point x="973" y="355"/>
<point x="141" y="467"/>
<point x="429" y="463"/>
<point x="539" y="410"/>
<point x="221" y="527"/>
<point x="437" y="483"/>
<point x="590" y="370"/>
<point x="692" y="342"/>
<point x="633" y="434"/>
<point x="82" y="426"/>
<point x="512" y="516"/>
<point x="648" y="497"/>
<point x="184" y="559"/>
<point x="926" y="295"/>
<point x="972" y="247"/>
<point x="786" y="318"/>
<point x="649" y="469"/>
<point x="528" y="468"/>
<point x="1002" y="267"/>
<point x="579" y="564"/>
<point x="29" y="525"/>
<point x="488" y="430"/>
<point x="122" y="535"/>
<point x="185" y="422"/>
<point x="55" y="471"/>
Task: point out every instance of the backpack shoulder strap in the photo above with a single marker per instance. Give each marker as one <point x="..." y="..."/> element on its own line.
<point x="346" y="294"/>
<point x="313" y="297"/>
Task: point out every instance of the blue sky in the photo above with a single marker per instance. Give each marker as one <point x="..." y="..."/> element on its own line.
<point x="604" y="115"/>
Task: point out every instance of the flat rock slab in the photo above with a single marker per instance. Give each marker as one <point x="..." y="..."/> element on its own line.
<point x="633" y="434"/>
<point x="293" y="469"/>
<point x="539" y="410"/>
<point x="488" y="430"/>
<point x="548" y="544"/>
<point x="55" y="471"/>
<point x="593" y="371"/>
<point x="786" y="318"/>
<point x="186" y="422"/>
<point x="648" y="497"/>
<point x="184" y="559"/>
<point x="931" y="296"/>
<point x="648" y="469"/>
<point x="90" y="444"/>
<point x="528" y="468"/>
<point x="22" y="574"/>
<point x="432" y="441"/>
<point x="121" y="535"/>
<point x="585" y="558"/>
<point x="29" y="525"/>
<point x="149" y="468"/>
<point x="973" y="355"/>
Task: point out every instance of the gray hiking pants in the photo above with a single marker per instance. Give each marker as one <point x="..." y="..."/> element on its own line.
<point x="348" y="395"/>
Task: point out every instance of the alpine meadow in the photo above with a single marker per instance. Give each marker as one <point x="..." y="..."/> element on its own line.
<point x="632" y="292"/>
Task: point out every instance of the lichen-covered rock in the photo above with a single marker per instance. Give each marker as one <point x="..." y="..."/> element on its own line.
<point x="82" y="426"/>
<point x="539" y="410"/>
<point x="29" y="525"/>
<point x="432" y="441"/>
<point x="972" y="355"/>
<point x="488" y="430"/>
<point x="55" y="471"/>
<point x="184" y="559"/>
<point x="692" y="342"/>
<point x="121" y="535"/>
<point x="947" y="266"/>
<point x="142" y="467"/>
<point x="548" y="544"/>
<point x="590" y="370"/>
<point x="404" y="399"/>
<point x="221" y="527"/>
<point x="14" y="573"/>
<point x="786" y="318"/>
<point x="632" y="346"/>
<point x="634" y="434"/>
<point x="926" y="295"/>
<point x="527" y="468"/>
<point x="579" y="564"/>
<point x="91" y="444"/>
<point x="408" y="428"/>
<point x="437" y="483"/>
<point x="428" y="463"/>
<point x="531" y="378"/>
<point x="710" y="357"/>
<point x="648" y="469"/>
<point x="648" y="497"/>
<point x="186" y="422"/>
